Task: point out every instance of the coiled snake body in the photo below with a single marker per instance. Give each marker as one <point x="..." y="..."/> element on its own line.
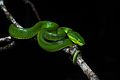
<point x="50" y="36"/>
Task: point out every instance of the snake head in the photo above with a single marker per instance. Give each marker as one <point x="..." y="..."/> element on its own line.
<point x="76" y="38"/>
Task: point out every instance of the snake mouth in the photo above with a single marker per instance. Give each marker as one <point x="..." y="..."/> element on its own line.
<point x="80" y="44"/>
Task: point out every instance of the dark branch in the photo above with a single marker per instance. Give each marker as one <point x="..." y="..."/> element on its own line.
<point x="33" y="8"/>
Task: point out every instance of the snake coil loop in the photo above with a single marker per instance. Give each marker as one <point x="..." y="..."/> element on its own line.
<point x="50" y="36"/>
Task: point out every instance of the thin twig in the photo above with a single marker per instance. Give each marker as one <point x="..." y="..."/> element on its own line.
<point x="8" y="46"/>
<point x="86" y="69"/>
<point x="33" y="8"/>
<point x="6" y="39"/>
<point x="8" y="15"/>
<point x="12" y="19"/>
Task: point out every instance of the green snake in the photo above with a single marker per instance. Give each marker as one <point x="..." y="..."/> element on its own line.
<point x="50" y="36"/>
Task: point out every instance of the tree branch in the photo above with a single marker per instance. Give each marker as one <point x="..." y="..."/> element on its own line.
<point x="8" y="15"/>
<point x="12" y="19"/>
<point x="33" y="8"/>
<point x="71" y="50"/>
<point x="81" y="63"/>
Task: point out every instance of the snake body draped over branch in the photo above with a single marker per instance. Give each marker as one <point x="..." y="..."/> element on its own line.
<point x="50" y="36"/>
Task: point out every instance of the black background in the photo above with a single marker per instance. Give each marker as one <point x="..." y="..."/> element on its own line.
<point x="96" y="21"/>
